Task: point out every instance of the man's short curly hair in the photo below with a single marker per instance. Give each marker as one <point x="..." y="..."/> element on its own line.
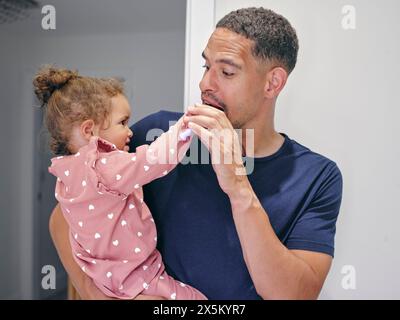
<point x="274" y="38"/>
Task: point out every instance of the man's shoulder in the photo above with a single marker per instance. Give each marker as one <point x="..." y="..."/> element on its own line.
<point x="313" y="160"/>
<point x="328" y="168"/>
<point x="302" y="150"/>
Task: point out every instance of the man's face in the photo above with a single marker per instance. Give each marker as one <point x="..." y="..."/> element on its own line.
<point x="233" y="79"/>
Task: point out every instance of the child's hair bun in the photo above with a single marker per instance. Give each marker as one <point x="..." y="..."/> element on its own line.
<point x="50" y="79"/>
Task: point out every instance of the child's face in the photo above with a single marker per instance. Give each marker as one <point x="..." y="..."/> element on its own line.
<point x="117" y="130"/>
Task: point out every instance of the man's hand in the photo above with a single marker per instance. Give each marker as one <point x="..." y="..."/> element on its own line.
<point x="217" y="134"/>
<point x="91" y="292"/>
<point x="94" y="293"/>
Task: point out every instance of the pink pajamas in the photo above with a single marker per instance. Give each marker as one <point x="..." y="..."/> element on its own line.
<point x="112" y="233"/>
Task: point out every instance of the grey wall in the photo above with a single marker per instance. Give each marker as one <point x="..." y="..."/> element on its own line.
<point x="142" y="41"/>
<point x="9" y="182"/>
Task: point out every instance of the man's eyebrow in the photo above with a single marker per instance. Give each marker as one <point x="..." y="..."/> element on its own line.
<point x="225" y="61"/>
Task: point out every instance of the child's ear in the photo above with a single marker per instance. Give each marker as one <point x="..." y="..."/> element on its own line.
<point x="87" y="128"/>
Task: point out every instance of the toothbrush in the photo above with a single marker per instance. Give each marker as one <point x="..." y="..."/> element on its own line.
<point x="184" y="135"/>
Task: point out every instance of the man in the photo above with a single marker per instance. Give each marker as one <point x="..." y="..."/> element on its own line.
<point x="267" y="235"/>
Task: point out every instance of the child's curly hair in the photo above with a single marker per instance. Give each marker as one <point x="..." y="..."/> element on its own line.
<point x="71" y="99"/>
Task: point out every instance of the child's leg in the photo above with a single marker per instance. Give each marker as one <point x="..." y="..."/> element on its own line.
<point x="166" y="286"/>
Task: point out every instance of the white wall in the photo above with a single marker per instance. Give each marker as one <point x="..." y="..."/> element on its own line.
<point x="341" y="101"/>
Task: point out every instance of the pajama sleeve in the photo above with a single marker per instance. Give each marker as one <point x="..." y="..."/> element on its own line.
<point x="124" y="172"/>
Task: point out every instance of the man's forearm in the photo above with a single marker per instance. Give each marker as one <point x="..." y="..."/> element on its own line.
<point x="276" y="272"/>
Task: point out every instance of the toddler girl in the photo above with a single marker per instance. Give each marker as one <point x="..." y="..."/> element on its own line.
<point x="99" y="183"/>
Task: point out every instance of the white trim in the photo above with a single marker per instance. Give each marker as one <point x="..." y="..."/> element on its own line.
<point x="200" y="23"/>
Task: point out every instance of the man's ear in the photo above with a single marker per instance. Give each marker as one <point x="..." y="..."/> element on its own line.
<point x="276" y="80"/>
<point x="87" y="128"/>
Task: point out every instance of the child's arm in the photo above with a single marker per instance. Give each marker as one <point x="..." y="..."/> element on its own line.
<point x="125" y="172"/>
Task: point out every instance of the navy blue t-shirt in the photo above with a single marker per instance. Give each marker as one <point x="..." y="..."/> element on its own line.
<point x="300" y="190"/>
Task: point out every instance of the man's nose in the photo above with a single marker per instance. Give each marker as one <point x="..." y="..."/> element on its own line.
<point x="208" y="82"/>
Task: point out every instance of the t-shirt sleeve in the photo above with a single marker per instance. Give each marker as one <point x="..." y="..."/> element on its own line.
<point x="315" y="229"/>
<point x="124" y="172"/>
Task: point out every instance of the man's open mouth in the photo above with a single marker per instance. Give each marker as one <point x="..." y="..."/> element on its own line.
<point x="213" y="104"/>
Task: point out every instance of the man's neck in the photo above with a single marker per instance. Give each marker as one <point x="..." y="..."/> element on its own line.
<point x="259" y="143"/>
<point x="259" y="137"/>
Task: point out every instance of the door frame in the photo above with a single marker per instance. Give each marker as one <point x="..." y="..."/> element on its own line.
<point x="199" y="27"/>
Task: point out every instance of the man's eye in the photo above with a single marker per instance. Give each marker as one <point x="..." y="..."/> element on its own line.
<point x="206" y="67"/>
<point x="228" y="74"/>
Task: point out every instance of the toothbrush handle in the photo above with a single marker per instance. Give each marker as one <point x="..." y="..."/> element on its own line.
<point x="184" y="135"/>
